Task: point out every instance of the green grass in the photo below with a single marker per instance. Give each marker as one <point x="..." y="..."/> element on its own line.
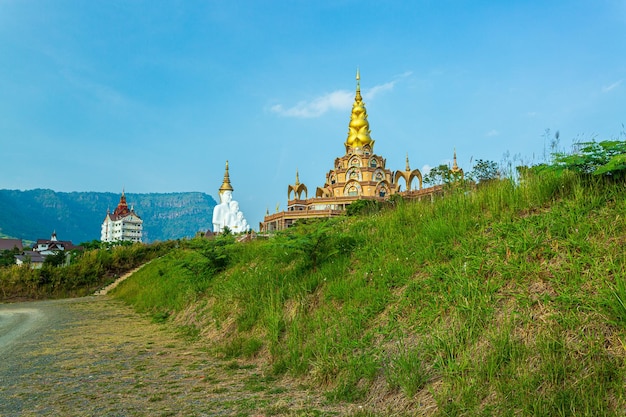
<point x="89" y="270"/>
<point x="508" y="300"/>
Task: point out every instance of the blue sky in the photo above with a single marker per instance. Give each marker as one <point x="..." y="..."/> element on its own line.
<point x="155" y="96"/>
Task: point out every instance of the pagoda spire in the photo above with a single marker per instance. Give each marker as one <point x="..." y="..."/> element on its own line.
<point x="358" y="85"/>
<point x="226" y="184"/>
<point x="358" y="128"/>
<point x="297" y="188"/>
<point x="455" y="167"/>
<point x="408" y="168"/>
<point x="122" y="207"/>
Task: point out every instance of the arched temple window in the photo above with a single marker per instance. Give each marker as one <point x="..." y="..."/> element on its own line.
<point x="353" y="174"/>
<point x="352" y="189"/>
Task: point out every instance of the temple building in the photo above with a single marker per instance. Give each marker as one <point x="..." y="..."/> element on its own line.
<point x="122" y="225"/>
<point x="358" y="174"/>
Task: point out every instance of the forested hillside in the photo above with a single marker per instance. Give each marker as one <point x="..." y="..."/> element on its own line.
<point x="77" y="216"/>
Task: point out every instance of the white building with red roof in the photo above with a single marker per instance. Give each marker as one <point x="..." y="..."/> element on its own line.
<point x="122" y="225"/>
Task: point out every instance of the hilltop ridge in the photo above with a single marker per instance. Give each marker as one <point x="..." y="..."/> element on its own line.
<point x="77" y="216"/>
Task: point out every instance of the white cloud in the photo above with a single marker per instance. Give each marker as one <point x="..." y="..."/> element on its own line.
<point x="612" y="86"/>
<point x="426" y="169"/>
<point x="336" y="100"/>
<point x="492" y="132"/>
<point x="374" y="91"/>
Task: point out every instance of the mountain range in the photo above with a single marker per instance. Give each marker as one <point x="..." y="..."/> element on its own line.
<point x="77" y="216"/>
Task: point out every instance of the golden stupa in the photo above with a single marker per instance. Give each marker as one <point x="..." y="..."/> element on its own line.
<point x="357" y="175"/>
<point x="359" y="138"/>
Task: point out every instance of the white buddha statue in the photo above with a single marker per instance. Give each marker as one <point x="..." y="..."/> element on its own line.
<point x="238" y="222"/>
<point x="227" y="213"/>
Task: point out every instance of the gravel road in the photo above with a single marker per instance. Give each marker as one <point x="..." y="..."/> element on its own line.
<point x="95" y="356"/>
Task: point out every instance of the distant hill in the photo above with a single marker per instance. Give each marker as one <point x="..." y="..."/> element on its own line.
<point x="77" y="216"/>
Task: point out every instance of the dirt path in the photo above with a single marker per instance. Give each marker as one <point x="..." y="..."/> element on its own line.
<point x="94" y="356"/>
<point x="105" y="290"/>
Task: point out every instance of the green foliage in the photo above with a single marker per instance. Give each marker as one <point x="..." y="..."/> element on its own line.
<point x="314" y="241"/>
<point x="241" y="347"/>
<point x="56" y="259"/>
<point x="7" y="257"/>
<point x="407" y="371"/>
<point x="183" y="274"/>
<point x="616" y="300"/>
<point x="508" y="300"/>
<point x="484" y="171"/>
<point x="364" y="207"/>
<point x="216" y="254"/>
<point x="87" y="271"/>
<point x="606" y="158"/>
<point x="441" y="174"/>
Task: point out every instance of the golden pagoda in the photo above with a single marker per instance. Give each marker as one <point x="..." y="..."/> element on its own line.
<point x="358" y="174"/>
<point x="455" y="170"/>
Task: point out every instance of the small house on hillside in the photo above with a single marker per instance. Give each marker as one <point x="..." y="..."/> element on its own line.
<point x="52" y="245"/>
<point x="32" y="258"/>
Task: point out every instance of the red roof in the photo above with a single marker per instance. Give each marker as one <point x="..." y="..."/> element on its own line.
<point x="121" y="210"/>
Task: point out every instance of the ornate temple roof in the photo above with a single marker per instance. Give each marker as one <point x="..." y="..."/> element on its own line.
<point x="358" y="128"/>
<point x="122" y="209"/>
<point x="297" y="188"/>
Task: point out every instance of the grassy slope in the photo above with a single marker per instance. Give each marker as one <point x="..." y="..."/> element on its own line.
<point x="502" y="302"/>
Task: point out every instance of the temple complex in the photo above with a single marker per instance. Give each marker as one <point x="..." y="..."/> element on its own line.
<point x="122" y="225"/>
<point x="358" y="174"/>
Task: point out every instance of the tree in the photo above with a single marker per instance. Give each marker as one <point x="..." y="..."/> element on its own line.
<point x="7" y="257"/>
<point x="438" y="175"/>
<point x="484" y="171"/>
<point x="55" y="259"/>
<point x="607" y="158"/>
